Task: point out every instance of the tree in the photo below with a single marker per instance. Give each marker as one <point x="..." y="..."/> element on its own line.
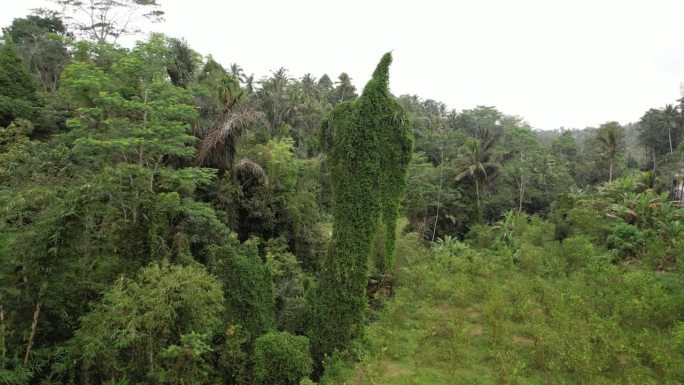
<point x="671" y="120"/>
<point x="369" y="145"/>
<point x="247" y="284"/>
<point x="345" y="90"/>
<point x="434" y="206"/>
<point x="523" y="154"/>
<point x="481" y="122"/>
<point x="610" y="139"/>
<point x="326" y="86"/>
<point x="218" y="146"/>
<point x="475" y="158"/>
<point x="183" y="62"/>
<point x="281" y="358"/>
<point x="133" y="115"/>
<point x="107" y="20"/>
<point x="127" y="335"/>
<point x="274" y="100"/>
<point x="17" y="88"/>
<point x="40" y="40"/>
<point x="651" y="134"/>
<point x="237" y="72"/>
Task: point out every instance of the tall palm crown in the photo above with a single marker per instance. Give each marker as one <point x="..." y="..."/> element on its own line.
<point x="670" y="120"/>
<point x="476" y="157"/>
<point x="610" y="139"/>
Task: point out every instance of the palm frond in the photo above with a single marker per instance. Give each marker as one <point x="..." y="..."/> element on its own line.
<point x="250" y="170"/>
<point x="219" y="145"/>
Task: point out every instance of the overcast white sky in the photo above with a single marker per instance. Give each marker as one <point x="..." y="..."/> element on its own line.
<point x="569" y="63"/>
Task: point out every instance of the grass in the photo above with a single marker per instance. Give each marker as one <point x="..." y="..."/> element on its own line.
<point x="473" y="317"/>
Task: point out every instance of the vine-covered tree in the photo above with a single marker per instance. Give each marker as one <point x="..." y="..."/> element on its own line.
<point x="369" y="144"/>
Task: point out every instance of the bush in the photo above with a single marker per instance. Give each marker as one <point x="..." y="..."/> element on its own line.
<point x="281" y="358"/>
<point x="247" y="284"/>
<point x="626" y="239"/>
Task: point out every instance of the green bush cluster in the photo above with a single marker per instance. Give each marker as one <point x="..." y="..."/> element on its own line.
<point x="281" y="358"/>
<point x="247" y="284"/>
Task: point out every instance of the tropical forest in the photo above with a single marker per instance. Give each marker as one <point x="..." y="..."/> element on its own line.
<point x="166" y="218"/>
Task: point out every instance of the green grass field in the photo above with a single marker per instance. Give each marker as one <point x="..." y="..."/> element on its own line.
<point x="462" y="315"/>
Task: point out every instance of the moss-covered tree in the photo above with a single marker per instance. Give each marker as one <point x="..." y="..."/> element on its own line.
<point x="368" y="142"/>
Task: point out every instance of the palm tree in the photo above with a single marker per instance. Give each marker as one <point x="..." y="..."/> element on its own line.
<point x="610" y="140"/>
<point x="237" y="72"/>
<point x="310" y="87"/>
<point x="670" y="119"/>
<point x="249" y="83"/>
<point x="345" y="89"/>
<point x="218" y="146"/>
<point x="476" y="157"/>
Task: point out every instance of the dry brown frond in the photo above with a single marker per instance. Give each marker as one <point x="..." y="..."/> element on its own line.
<point x="218" y="146"/>
<point x="251" y="170"/>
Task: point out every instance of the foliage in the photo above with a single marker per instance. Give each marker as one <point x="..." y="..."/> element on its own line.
<point x="560" y="312"/>
<point x="186" y="363"/>
<point x="281" y="358"/>
<point x="133" y="329"/>
<point x="41" y="40"/>
<point x="17" y="87"/>
<point x="247" y="284"/>
<point x="610" y="140"/>
<point x="369" y="147"/>
<point x="163" y="221"/>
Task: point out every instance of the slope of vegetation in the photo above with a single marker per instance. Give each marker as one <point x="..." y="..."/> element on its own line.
<point x="514" y="305"/>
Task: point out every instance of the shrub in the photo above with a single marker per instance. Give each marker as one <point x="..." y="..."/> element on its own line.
<point x="281" y="358"/>
<point x="247" y="284"/>
<point x="626" y="239"/>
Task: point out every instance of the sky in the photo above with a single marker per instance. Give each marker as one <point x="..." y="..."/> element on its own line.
<point x="555" y="63"/>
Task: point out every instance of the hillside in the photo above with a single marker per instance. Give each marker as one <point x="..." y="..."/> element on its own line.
<point x="526" y="310"/>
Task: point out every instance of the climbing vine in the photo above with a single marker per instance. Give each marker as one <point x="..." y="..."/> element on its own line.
<point x="368" y="142"/>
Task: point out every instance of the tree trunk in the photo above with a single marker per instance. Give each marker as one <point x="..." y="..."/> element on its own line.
<point x="654" y="161"/>
<point x="521" y="188"/>
<point x="32" y="334"/>
<point x="669" y="137"/>
<point x="477" y="196"/>
<point x="439" y="194"/>
<point x="610" y="171"/>
<point x="522" y="185"/>
<point x="3" y="349"/>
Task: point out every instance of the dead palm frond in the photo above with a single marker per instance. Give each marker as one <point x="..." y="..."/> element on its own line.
<point x="249" y="170"/>
<point x="219" y="145"/>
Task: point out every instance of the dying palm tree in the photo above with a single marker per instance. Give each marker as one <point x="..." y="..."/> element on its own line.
<point x="218" y="146"/>
<point x="610" y="139"/>
<point x="476" y="157"/>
